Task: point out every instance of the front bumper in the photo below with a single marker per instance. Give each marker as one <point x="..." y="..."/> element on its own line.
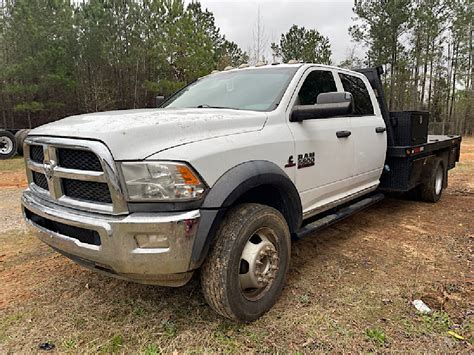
<point x="116" y="251"/>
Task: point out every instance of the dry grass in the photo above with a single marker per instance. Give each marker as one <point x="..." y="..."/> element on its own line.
<point x="13" y="164"/>
<point x="350" y="289"/>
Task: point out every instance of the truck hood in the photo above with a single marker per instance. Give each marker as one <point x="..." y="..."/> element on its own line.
<point x="137" y="134"/>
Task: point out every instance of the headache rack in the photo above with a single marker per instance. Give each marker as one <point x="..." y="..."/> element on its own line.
<point x="409" y="147"/>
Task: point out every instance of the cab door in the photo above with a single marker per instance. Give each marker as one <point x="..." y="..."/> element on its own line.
<point x="368" y="131"/>
<point x="323" y="147"/>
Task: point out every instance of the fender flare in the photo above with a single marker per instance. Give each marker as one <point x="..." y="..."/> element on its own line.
<point x="230" y="187"/>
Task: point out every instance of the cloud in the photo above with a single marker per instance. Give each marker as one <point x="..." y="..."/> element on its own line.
<point x="237" y="19"/>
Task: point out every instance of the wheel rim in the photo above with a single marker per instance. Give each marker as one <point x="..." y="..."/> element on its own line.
<point x="6" y="145"/>
<point x="439" y="181"/>
<point x="258" y="264"/>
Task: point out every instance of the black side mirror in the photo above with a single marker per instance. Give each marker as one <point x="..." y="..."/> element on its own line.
<point x="330" y="104"/>
<point x="159" y="100"/>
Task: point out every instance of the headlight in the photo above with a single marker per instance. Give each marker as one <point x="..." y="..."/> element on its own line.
<point x="161" y="181"/>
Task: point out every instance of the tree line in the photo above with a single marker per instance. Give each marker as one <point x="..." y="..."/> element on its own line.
<point x="426" y="47"/>
<point x="61" y="57"/>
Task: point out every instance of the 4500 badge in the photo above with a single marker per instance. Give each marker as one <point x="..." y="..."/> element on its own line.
<point x="304" y="160"/>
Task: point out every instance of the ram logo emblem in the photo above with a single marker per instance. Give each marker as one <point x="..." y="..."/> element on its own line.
<point x="48" y="167"/>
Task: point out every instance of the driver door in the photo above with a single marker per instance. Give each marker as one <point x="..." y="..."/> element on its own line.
<point x="323" y="159"/>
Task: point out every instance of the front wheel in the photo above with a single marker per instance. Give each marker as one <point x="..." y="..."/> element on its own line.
<point x="247" y="266"/>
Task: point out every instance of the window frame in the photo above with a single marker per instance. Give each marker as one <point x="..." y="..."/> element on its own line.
<point x="367" y="87"/>
<point x="304" y="76"/>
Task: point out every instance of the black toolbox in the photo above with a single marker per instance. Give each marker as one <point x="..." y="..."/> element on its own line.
<point x="410" y="127"/>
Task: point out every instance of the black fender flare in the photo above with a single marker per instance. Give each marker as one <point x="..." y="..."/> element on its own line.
<point x="230" y="187"/>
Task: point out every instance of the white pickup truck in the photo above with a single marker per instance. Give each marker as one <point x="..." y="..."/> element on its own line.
<point x="224" y="175"/>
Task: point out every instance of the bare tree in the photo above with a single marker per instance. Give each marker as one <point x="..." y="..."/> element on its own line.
<point x="260" y="40"/>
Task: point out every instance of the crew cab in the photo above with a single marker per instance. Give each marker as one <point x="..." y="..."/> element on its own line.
<point x="224" y="175"/>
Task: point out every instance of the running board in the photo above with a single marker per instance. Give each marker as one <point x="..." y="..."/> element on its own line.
<point x="338" y="215"/>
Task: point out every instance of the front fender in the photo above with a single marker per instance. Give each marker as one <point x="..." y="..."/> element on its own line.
<point x="230" y="187"/>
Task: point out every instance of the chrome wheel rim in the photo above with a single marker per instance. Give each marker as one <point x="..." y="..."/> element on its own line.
<point x="6" y="145"/>
<point x="258" y="264"/>
<point x="439" y="181"/>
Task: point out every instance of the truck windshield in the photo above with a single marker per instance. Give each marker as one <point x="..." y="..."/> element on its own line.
<point x="246" y="89"/>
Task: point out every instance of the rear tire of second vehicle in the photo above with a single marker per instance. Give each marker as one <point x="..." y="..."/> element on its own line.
<point x="20" y="138"/>
<point x="7" y="145"/>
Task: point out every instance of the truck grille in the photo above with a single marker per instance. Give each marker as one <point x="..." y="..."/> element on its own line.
<point x="36" y="153"/>
<point x="40" y="180"/>
<point x="62" y="167"/>
<point x="78" y="159"/>
<point x="87" y="190"/>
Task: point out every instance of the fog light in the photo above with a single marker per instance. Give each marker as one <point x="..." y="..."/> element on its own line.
<point x="152" y="241"/>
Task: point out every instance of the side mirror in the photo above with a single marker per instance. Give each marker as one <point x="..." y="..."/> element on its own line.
<point x="330" y="104"/>
<point x="159" y="100"/>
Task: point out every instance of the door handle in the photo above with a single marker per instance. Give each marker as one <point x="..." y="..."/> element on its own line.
<point x="343" y="134"/>
<point x="380" y="129"/>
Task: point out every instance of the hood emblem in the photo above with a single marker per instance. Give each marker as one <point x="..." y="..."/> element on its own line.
<point x="48" y="167"/>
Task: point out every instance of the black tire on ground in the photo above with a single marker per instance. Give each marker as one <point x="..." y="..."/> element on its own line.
<point x="20" y="138"/>
<point x="246" y="269"/>
<point x="432" y="188"/>
<point x="7" y="145"/>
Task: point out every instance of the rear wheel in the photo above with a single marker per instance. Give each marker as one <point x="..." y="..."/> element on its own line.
<point x="246" y="269"/>
<point x="7" y="145"/>
<point x="432" y="188"/>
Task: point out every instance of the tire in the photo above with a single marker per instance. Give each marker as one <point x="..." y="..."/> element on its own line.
<point x="20" y="138"/>
<point x="7" y="145"/>
<point x="250" y="233"/>
<point x="432" y="189"/>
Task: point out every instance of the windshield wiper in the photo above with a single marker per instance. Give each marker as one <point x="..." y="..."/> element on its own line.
<point x="219" y="107"/>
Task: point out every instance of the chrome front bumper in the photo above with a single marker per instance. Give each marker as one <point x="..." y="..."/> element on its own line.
<point x="119" y="254"/>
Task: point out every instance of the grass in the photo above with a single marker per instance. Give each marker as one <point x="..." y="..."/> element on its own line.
<point x="152" y="349"/>
<point x="438" y="322"/>
<point x="113" y="345"/>
<point x="349" y="289"/>
<point x="376" y="335"/>
<point x="14" y="164"/>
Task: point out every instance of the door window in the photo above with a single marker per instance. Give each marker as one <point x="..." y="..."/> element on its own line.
<point x="317" y="82"/>
<point x="356" y="86"/>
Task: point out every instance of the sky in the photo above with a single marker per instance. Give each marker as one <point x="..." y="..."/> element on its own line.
<point x="237" y="20"/>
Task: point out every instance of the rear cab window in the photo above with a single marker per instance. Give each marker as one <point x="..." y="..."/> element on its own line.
<point x="356" y="86"/>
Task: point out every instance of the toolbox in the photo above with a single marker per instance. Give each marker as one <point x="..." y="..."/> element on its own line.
<point x="410" y="127"/>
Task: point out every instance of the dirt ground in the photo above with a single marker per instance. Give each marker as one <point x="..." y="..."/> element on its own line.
<point x="350" y="288"/>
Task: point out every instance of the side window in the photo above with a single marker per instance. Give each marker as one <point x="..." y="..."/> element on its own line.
<point x="317" y="82"/>
<point x="356" y="86"/>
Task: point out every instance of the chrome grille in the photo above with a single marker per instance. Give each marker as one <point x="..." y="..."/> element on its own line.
<point x="76" y="173"/>
<point x="87" y="190"/>
<point x="40" y="180"/>
<point x="36" y="153"/>
<point x="78" y="159"/>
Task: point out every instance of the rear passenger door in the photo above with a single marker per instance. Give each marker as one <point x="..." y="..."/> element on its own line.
<point x="368" y="131"/>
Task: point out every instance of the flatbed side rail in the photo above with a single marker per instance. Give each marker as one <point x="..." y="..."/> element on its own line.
<point x="433" y="145"/>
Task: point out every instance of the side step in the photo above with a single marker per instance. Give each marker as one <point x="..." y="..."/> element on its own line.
<point x="338" y="215"/>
